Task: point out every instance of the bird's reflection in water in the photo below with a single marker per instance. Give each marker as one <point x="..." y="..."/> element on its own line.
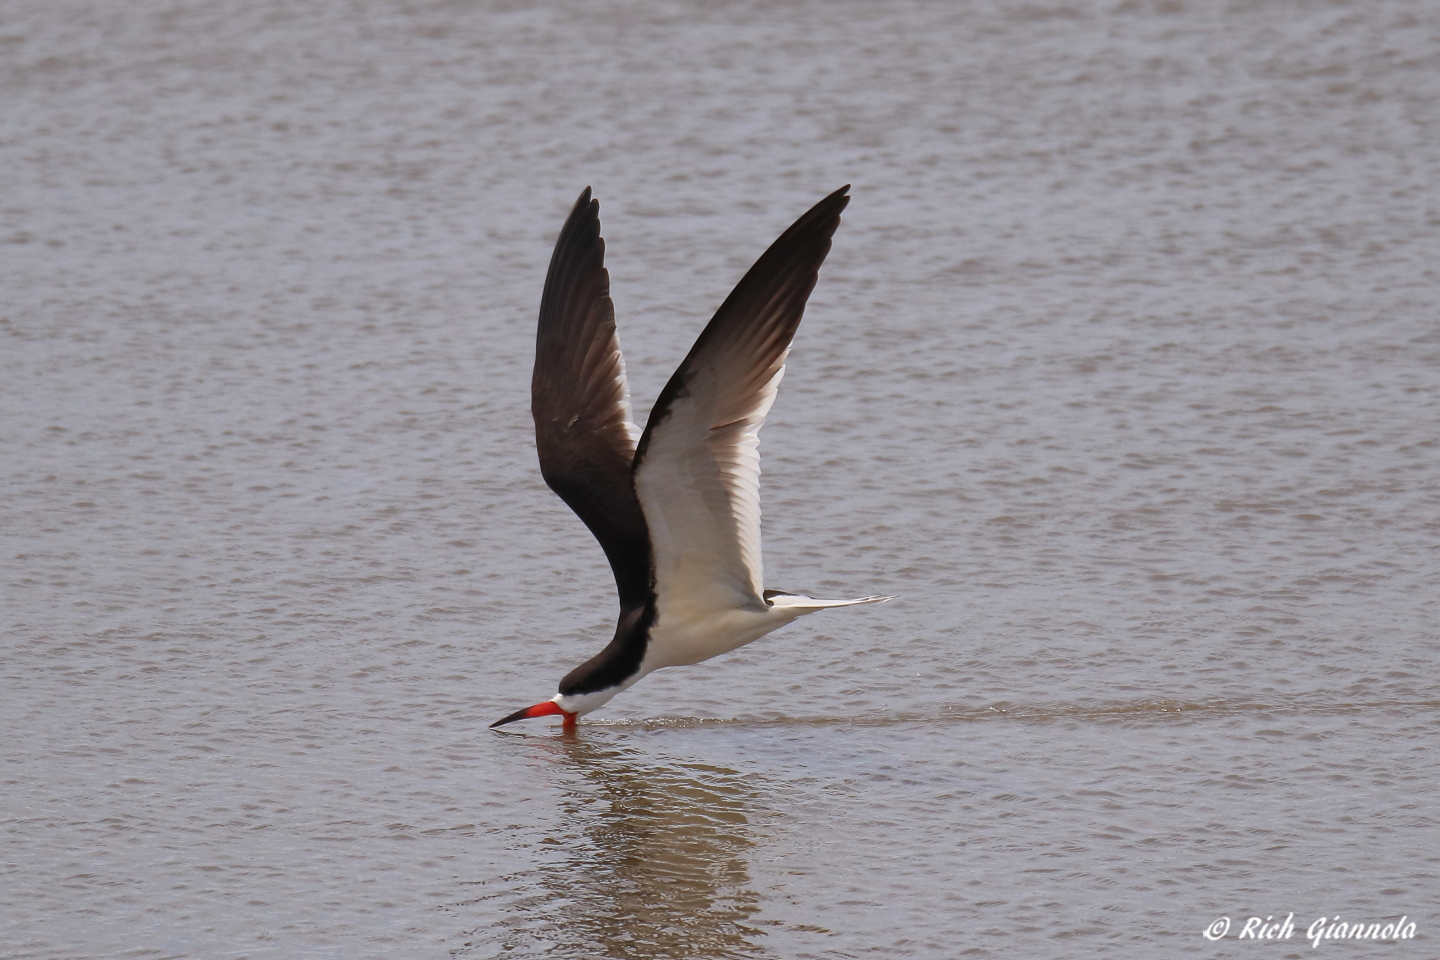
<point x="653" y="861"/>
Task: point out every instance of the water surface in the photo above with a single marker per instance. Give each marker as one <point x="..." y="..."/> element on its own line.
<point x="1122" y="373"/>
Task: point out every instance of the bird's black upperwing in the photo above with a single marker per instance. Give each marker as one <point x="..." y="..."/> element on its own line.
<point x="583" y="428"/>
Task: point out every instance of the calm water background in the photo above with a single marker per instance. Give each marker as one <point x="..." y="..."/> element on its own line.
<point x="1124" y="373"/>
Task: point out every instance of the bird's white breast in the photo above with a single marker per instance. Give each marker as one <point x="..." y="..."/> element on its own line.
<point x="689" y="635"/>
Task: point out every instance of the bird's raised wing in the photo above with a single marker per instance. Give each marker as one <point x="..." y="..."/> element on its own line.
<point x="581" y="403"/>
<point x="697" y="470"/>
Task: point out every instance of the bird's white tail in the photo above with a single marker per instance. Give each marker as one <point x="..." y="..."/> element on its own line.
<point x="805" y="604"/>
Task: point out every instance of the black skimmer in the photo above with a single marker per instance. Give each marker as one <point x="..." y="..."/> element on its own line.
<point x="676" y="508"/>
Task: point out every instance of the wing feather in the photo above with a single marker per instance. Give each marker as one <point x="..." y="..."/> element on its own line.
<point x="584" y="432"/>
<point x="697" y="468"/>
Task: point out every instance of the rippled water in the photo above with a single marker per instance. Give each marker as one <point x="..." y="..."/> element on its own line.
<point x="1123" y="373"/>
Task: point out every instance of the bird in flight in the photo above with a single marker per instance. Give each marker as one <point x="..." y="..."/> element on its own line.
<point x="676" y="508"/>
